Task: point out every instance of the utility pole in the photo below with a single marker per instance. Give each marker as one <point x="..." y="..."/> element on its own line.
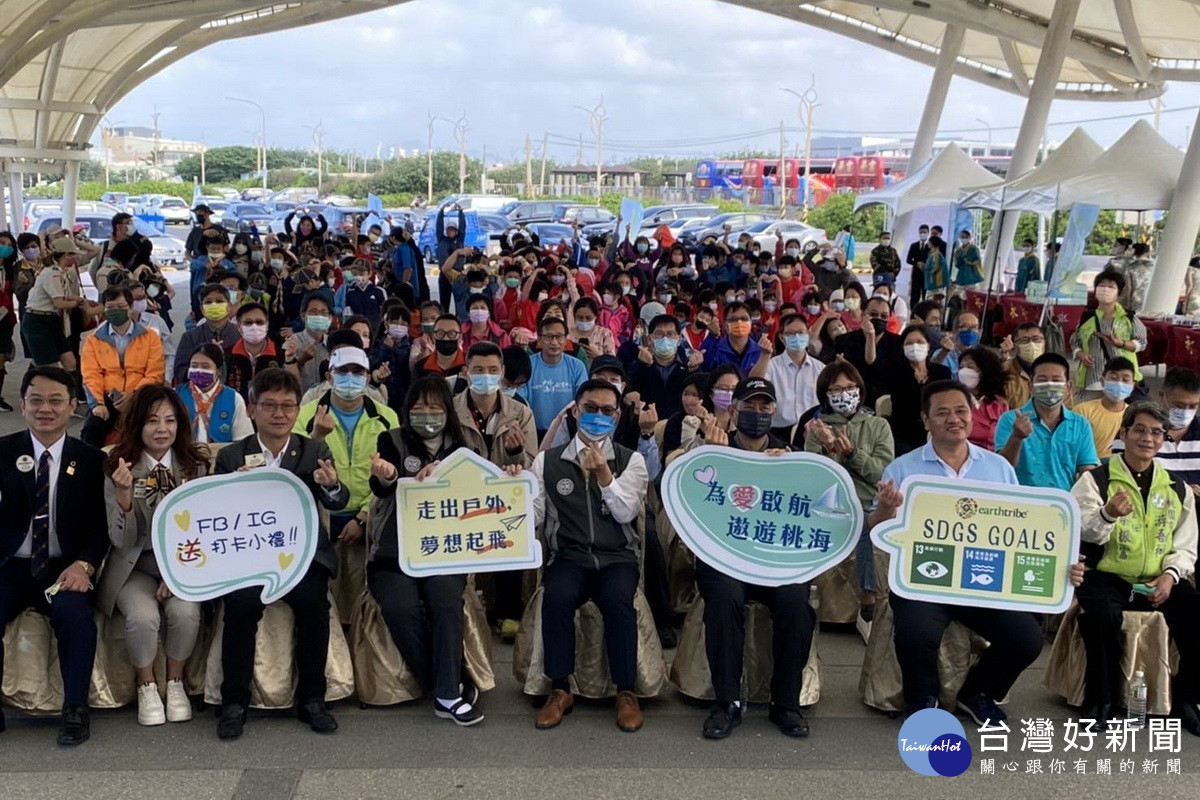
<point x="263" y="112"/>
<point x="579" y="152"/>
<point x="483" y="173"/>
<point x="460" y="133"/>
<point x="203" y="150"/>
<point x="318" y="132"/>
<point x="596" y="119"/>
<point x="154" y="155"/>
<point x="808" y="102"/>
<point x="528" y="165"/>
<point x="542" y="178"/>
<point x="781" y="180"/>
<point x="429" y="159"/>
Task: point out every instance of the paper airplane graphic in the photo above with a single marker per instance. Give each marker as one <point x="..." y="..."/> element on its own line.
<point x="511" y="523"/>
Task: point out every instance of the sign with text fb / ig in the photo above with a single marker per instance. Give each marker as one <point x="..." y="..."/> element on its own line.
<point x="225" y="532"/>
<point x="766" y="520"/>
<point x="971" y="543"/>
<point x="469" y="515"/>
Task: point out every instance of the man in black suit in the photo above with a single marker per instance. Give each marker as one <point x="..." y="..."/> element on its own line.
<point x="874" y="351"/>
<point x="274" y="405"/>
<point x="918" y="254"/>
<point x="53" y="534"/>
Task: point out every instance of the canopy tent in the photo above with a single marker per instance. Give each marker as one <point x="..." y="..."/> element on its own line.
<point x="940" y="182"/>
<point x="1138" y="173"/>
<point x="1073" y="157"/>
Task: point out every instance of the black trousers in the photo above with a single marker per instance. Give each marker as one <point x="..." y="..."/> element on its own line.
<point x="1103" y="598"/>
<point x="95" y="431"/>
<point x="656" y="585"/>
<point x="1015" y="639"/>
<point x="425" y="618"/>
<point x="566" y="586"/>
<point x="71" y="618"/>
<point x="792" y="625"/>
<point x="916" y="289"/>
<point x="507" y="589"/>
<point x="243" y="610"/>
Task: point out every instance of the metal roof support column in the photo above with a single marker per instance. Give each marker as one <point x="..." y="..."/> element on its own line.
<point x="1179" y="236"/>
<point x="935" y="101"/>
<point x="70" y="193"/>
<point x="3" y="209"/>
<point x="16" y="200"/>
<point x="1033" y="125"/>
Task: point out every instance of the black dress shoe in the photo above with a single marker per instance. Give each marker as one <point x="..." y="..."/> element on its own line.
<point x="469" y="692"/>
<point x="231" y="721"/>
<point x="721" y="721"/>
<point x="1099" y="710"/>
<point x="75" y="728"/>
<point x="791" y="722"/>
<point x="317" y="717"/>
<point x="668" y="638"/>
<point x="1" y="720"/>
<point x="1189" y="717"/>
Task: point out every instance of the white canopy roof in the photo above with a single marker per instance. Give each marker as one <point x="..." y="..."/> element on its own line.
<point x="1138" y="173"/>
<point x="940" y="182"/>
<point x="1073" y="157"/>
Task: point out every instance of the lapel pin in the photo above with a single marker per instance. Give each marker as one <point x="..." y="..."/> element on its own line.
<point x="71" y="468"/>
<point x="25" y="463"/>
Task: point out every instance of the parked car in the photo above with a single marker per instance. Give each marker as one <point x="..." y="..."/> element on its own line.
<point x="530" y="210"/>
<point x="494" y="225"/>
<point x="253" y="193"/>
<point x="585" y="215"/>
<point x="218" y="207"/>
<point x="38" y="207"/>
<point x="296" y="195"/>
<point x="765" y="233"/>
<point x="239" y="217"/>
<point x="118" y="200"/>
<point x="551" y="233"/>
<point x="476" y="236"/>
<point x="486" y="203"/>
<point x="657" y="215"/>
<point x="173" y="210"/>
<point x="697" y="230"/>
<point x="168" y="250"/>
<point x="229" y="194"/>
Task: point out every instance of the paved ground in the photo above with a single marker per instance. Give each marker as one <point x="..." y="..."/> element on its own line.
<point x="406" y="752"/>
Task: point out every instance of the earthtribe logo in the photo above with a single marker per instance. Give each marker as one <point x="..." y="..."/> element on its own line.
<point x="966" y="507"/>
<point x="933" y="742"/>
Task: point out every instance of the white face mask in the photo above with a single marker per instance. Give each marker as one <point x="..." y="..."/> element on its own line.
<point x="968" y="377"/>
<point x="1180" y="417"/>
<point x="917" y="351"/>
<point x="1106" y="294"/>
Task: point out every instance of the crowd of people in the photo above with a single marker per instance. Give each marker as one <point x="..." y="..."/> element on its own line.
<point x="591" y="363"/>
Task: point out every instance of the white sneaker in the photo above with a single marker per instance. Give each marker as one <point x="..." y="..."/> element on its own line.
<point x="150" y="706"/>
<point x="179" y="707"/>
<point x="864" y="627"/>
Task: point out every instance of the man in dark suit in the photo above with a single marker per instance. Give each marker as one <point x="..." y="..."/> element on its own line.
<point x="53" y="534"/>
<point x="274" y="405"/>
<point x="918" y="254"/>
<point x="875" y="352"/>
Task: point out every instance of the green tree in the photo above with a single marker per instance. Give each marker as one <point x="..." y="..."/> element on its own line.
<point x="409" y="175"/>
<point x="838" y="212"/>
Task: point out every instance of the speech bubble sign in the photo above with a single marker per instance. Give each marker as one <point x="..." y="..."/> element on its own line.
<point x="225" y="532"/>
<point x="631" y="215"/>
<point x="766" y="520"/>
<point x="469" y="515"/>
<point x="973" y="543"/>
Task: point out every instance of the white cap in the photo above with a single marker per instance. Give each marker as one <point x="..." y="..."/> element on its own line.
<point x="345" y="356"/>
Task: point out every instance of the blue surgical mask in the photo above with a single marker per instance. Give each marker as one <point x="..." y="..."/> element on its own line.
<point x="508" y="391"/>
<point x="642" y="248"/>
<point x="6" y="250"/>
<point x="485" y="384"/>
<point x="349" y="386"/>
<point x="795" y="342"/>
<point x="665" y="347"/>
<point x="597" y="426"/>
<point x="968" y="338"/>
<point x="1116" y="390"/>
<point x="317" y="323"/>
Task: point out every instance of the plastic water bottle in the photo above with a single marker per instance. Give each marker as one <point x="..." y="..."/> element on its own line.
<point x="1137" y="700"/>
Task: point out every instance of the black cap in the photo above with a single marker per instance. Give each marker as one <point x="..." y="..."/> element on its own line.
<point x="750" y="387"/>
<point x="202" y="207"/>
<point x="606" y="362"/>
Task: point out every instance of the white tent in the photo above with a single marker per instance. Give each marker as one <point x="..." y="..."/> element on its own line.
<point x="1073" y="157"/>
<point x="938" y="183"/>
<point x="1138" y="173"/>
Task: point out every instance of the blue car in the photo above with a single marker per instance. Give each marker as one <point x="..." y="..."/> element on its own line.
<point x="476" y="236"/>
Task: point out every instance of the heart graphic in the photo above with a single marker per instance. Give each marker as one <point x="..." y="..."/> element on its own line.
<point x="744" y="498"/>
<point x="706" y="475"/>
<point x="285" y="560"/>
<point x="183" y="519"/>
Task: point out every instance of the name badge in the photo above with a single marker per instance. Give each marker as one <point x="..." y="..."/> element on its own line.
<point x="255" y="460"/>
<point x="140" y="489"/>
<point x="25" y="463"/>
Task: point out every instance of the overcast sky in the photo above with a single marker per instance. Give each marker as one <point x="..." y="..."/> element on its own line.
<point x="671" y="72"/>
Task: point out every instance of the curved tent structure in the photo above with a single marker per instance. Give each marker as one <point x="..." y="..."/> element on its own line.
<point x="1074" y="156"/>
<point x="940" y="182"/>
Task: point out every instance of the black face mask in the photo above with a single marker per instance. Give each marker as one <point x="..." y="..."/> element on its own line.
<point x="446" y="347"/>
<point x="753" y="424"/>
<point x="878" y="324"/>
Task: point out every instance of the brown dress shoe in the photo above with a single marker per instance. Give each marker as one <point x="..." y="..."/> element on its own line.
<point x="629" y="713"/>
<point x="557" y="706"/>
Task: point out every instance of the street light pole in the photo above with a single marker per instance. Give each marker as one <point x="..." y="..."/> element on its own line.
<point x="318" y="139"/>
<point x="263" y="112"/>
<point x="596" y="119"/>
<point x="987" y="151"/>
<point x="808" y="103"/>
<point x="460" y="133"/>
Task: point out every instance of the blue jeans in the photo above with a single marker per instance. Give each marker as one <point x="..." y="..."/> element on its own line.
<point x="864" y="561"/>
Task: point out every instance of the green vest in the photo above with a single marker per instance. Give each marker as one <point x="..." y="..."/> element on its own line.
<point x="1122" y="328"/>
<point x="1140" y="540"/>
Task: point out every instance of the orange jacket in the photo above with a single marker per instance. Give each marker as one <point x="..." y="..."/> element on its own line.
<point x="101" y="365"/>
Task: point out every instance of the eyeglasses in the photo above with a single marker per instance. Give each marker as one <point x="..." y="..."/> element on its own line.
<point x="1030" y="340"/>
<point x="592" y="408"/>
<point x="446" y="336"/>
<point x="287" y="408"/>
<point x="37" y="401"/>
<point x="352" y="369"/>
<point x="553" y="337"/>
<point x="1142" y="430"/>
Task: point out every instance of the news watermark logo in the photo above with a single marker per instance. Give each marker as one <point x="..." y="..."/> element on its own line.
<point x="933" y="742"/>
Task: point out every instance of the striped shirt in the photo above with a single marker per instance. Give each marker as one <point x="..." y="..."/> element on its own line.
<point x="1181" y="458"/>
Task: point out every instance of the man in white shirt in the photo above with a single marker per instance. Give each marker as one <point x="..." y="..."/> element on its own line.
<point x="794" y="373"/>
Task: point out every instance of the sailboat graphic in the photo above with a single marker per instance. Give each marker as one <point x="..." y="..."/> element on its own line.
<point x="830" y="506"/>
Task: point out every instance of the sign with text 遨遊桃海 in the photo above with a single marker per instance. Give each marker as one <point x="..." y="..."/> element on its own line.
<point x="469" y="515"/>
<point x="765" y="520"/>
<point x="971" y="543"/>
<point x="225" y="532"/>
